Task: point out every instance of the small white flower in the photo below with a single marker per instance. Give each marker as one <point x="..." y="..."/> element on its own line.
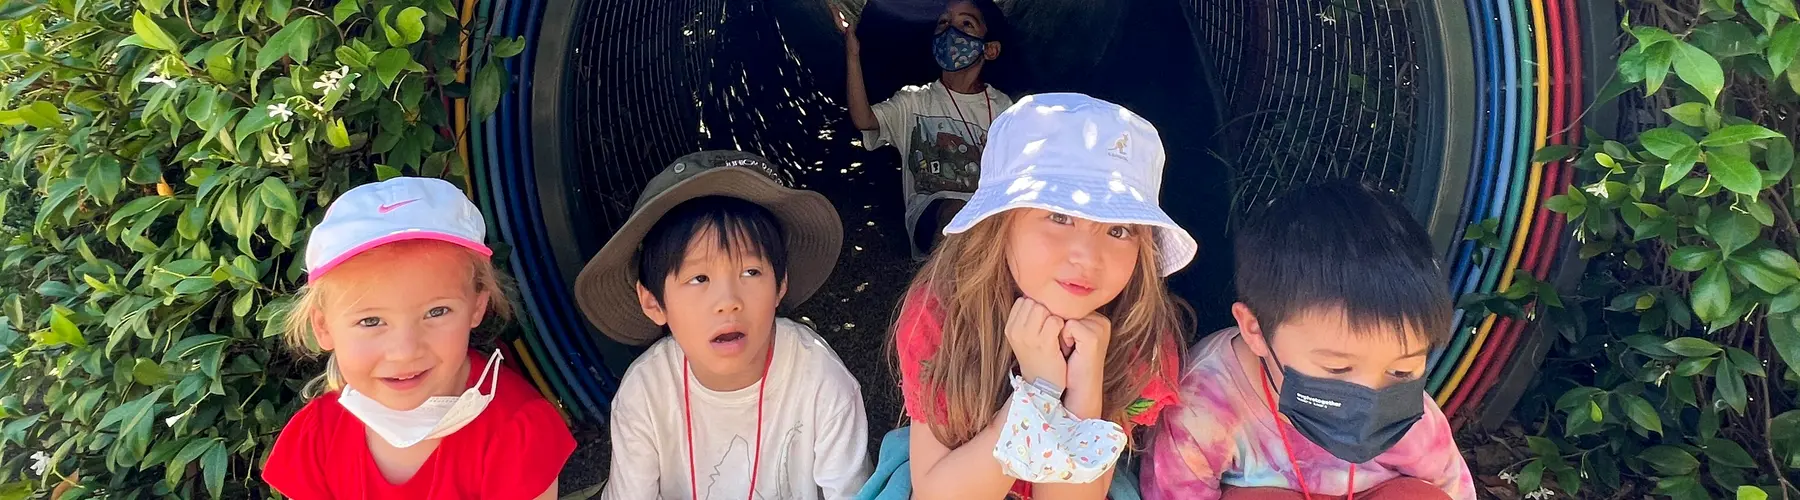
<point x="326" y="85"/>
<point x="1598" y="189"/>
<point x="172" y="420"/>
<point x="281" y="157"/>
<point x="40" y="463"/>
<point x="155" y="79"/>
<point x="1509" y="478"/>
<point x="1540" y="494"/>
<point x="340" y="73"/>
<point x="280" y="110"/>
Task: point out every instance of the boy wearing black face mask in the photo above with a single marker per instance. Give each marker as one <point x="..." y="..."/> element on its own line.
<point x="941" y="127"/>
<point x="1319" y="390"/>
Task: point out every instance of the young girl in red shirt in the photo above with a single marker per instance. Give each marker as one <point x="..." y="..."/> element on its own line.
<point x="1052" y="279"/>
<point x="397" y="277"/>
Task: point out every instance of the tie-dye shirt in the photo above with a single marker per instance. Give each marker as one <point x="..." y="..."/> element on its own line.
<point x="1222" y="434"/>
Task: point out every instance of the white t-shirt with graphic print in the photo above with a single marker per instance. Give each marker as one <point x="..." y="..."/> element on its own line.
<point x="814" y="429"/>
<point x="940" y="134"/>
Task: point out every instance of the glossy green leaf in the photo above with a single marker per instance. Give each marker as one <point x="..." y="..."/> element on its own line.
<point x="212" y="468"/>
<point x="1698" y="69"/>
<point x="410" y="25"/>
<point x="190" y="451"/>
<point x="1640" y="412"/>
<point x="384" y="172"/>
<point x="390" y="63"/>
<point x="1729" y="383"/>
<point x="294" y="40"/>
<point x="1778" y="261"/>
<point x="1733" y="171"/>
<point x="1732" y="231"/>
<point x="344" y="9"/>
<point x="1691" y="347"/>
<point x="508" y="47"/>
<point x="484" y="96"/>
<point x="63" y="331"/>
<point x="336" y="135"/>
<point x="1665" y="142"/>
<point x="1784" y="46"/>
<point x="1783" y="333"/>
<point x="276" y="196"/>
<point x="1670" y="460"/>
<point x="1728" y="453"/>
<point x="152" y="35"/>
<point x="17" y="9"/>
<point x="1692" y="114"/>
<point x="41" y="114"/>
<point x="1737" y="134"/>
<point x="1759" y="275"/>
<point x="1693" y="259"/>
<point x="1745" y="362"/>
<point x="1693" y="366"/>
<point x="1711" y="295"/>
<point x="147" y="372"/>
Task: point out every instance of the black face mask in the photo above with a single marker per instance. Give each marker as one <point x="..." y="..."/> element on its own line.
<point x="1352" y="422"/>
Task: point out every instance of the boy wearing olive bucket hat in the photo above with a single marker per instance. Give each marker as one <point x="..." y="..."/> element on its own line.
<point x="729" y="401"/>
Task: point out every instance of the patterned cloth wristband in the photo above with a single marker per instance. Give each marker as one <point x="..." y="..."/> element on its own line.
<point x="1042" y="442"/>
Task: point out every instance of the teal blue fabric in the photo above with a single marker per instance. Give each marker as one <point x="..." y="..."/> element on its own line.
<point x="893" y="469"/>
<point x="893" y="473"/>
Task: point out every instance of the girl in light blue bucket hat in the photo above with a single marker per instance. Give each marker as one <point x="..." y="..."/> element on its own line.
<point x="1040" y="334"/>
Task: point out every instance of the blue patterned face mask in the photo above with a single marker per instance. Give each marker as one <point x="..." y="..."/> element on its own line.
<point x="956" y="49"/>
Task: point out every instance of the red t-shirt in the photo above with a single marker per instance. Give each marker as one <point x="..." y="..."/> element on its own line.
<point x="514" y="450"/>
<point x="920" y="331"/>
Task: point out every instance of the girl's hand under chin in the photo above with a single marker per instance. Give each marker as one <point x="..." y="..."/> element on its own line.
<point x="1087" y="363"/>
<point x="1035" y="337"/>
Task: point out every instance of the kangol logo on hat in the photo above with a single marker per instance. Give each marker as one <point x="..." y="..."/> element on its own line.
<point x="1119" y="150"/>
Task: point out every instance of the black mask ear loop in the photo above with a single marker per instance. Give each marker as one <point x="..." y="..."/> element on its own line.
<point x="1264" y="363"/>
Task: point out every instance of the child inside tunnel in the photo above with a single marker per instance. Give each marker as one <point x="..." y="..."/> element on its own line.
<point x="939" y="128"/>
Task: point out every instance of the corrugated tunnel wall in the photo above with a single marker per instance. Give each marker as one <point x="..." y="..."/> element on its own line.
<point x="1252" y="98"/>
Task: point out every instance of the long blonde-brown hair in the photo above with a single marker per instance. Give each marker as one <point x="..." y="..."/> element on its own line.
<point x="974" y="289"/>
<point x="297" y="327"/>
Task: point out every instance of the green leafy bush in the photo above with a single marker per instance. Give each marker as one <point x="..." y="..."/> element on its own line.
<point x="1682" y="378"/>
<point x="160" y="163"/>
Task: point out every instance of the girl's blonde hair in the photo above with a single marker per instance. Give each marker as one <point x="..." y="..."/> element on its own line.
<point x="297" y="327"/>
<point x="973" y="363"/>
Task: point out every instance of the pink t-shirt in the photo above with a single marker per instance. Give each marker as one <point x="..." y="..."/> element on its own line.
<point x="1223" y="434"/>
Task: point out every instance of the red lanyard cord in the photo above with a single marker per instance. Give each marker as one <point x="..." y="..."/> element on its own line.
<point x="1269" y="396"/>
<point x="687" y="413"/>
<point x="959" y="114"/>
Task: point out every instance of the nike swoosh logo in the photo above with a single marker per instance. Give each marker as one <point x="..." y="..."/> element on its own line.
<point x="391" y="206"/>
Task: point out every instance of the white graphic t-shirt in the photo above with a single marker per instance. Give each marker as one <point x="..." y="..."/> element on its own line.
<point x="814" y="429"/>
<point x="940" y="134"/>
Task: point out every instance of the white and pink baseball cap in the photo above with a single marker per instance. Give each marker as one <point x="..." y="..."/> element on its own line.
<point x="397" y="209"/>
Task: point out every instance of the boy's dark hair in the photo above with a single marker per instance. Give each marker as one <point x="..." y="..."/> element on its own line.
<point x="742" y="228"/>
<point x="998" y="30"/>
<point x="1343" y="245"/>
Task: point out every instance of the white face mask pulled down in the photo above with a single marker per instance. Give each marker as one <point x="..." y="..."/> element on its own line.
<point x="438" y="417"/>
